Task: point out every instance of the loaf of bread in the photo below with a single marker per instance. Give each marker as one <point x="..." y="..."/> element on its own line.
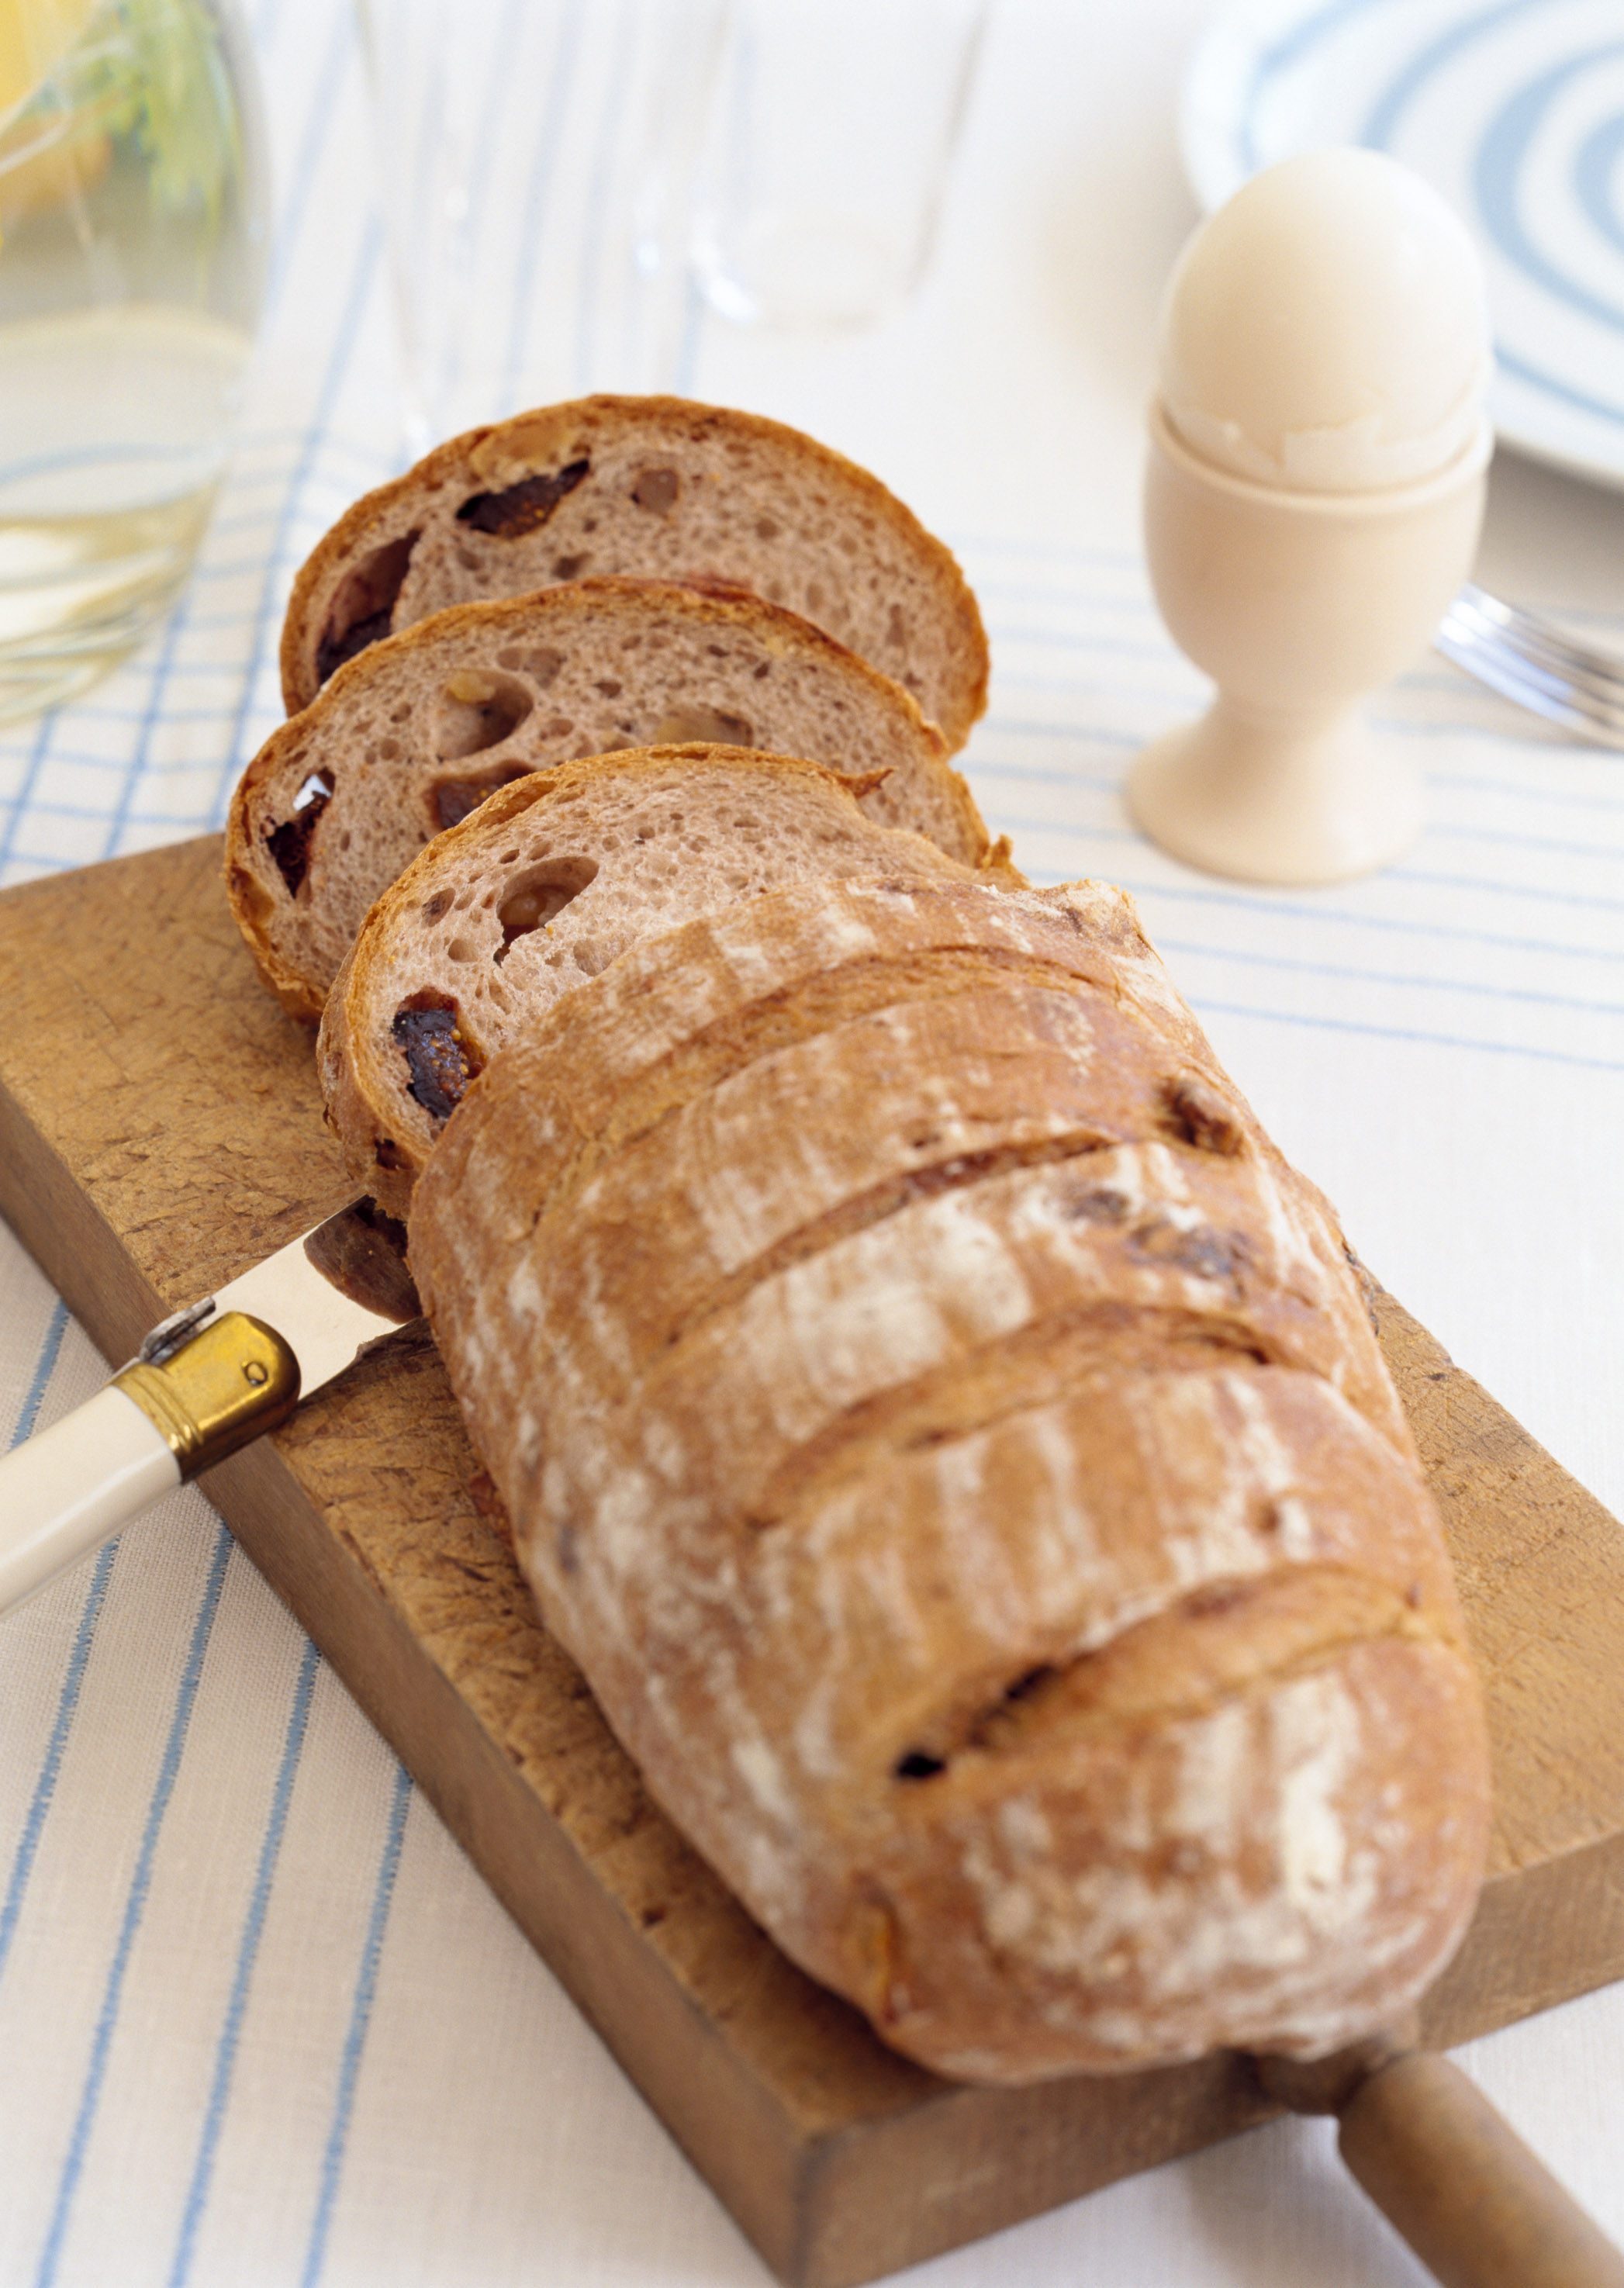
<point x="660" y="487"/>
<point x="539" y="888"/>
<point x="953" y="1446"/>
<point x="420" y="728"/>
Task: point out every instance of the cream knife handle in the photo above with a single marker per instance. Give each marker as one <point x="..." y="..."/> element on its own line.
<point x="160" y="1420"/>
<point x="63" y="1492"/>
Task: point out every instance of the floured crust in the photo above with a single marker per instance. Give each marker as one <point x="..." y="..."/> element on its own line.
<point x="540" y="889"/>
<point x="951" y="1440"/>
<point x="410" y="736"/>
<point x="663" y="488"/>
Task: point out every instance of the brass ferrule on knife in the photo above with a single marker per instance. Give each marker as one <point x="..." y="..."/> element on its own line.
<point x="227" y="1384"/>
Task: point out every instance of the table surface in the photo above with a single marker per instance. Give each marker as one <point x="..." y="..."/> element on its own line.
<point x="260" y="2021"/>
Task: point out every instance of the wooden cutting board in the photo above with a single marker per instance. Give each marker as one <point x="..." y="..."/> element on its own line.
<point x="161" y="1130"/>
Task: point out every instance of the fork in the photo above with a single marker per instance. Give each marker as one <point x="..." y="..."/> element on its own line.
<point x="1527" y="659"/>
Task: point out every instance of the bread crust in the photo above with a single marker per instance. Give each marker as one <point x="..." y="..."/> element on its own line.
<point x="411" y="734"/>
<point x="622" y="845"/>
<point x="755" y="504"/>
<point x="952" y="1441"/>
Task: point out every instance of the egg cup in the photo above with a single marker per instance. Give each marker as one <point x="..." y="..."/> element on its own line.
<point x="1296" y="604"/>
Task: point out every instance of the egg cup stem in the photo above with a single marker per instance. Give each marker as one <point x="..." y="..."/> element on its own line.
<point x="1276" y="800"/>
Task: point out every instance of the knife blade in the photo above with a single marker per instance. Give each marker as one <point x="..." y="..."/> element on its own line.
<point x="205" y="1382"/>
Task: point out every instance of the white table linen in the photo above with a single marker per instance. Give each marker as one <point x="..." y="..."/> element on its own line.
<point x="260" y="2021"/>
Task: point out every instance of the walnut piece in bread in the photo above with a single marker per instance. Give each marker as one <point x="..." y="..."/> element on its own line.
<point x="421" y="727"/>
<point x="539" y="889"/>
<point x="661" y="487"/>
<point x="951" y="1440"/>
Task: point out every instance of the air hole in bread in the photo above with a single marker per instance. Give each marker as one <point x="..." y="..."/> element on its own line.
<point x="452" y="800"/>
<point x="361" y="610"/>
<point x="916" y="1765"/>
<point x="288" y="844"/>
<point x="569" y="567"/>
<point x="541" y="665"/>
<point x="691" y="720"/>
<point x="440" y="1057"/>
<point x="539" y="895"/>
<point x="524" y="507"/>
<point x="656" y="490"/>
<point x="477" y="709"/>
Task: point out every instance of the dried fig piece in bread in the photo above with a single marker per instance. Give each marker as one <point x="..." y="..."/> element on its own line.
<point x="413" y="736"/>
<point x="662" y="488"/>
<point x="541" y="887"/>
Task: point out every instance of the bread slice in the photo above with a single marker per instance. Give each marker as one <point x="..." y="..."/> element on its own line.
<point x="951" y="1443"/>
<point x="541" y="887"/>
<point x="658" y="487"/>
<point x="413" y="733"/>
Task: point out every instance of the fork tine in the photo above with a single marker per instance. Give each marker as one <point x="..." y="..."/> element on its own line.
<point x="1536" y="639"/>
<point x="1532" y="664"/>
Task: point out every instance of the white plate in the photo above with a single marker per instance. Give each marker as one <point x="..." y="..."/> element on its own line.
<point x="1514" y="109"/>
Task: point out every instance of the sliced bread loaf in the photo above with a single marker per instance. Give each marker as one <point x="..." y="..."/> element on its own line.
<point x="541" y="887"/>
<point x="657" y="486"/>
<point x="415" y="732"/>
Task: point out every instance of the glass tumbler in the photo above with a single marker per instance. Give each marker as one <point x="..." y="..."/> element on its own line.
<point x="829" y="135"/>
<point x="133" y="232"/>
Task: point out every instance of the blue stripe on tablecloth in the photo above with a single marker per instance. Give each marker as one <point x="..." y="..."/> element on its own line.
<point x="1295" y="966"/>
<point x="44" y="1787"/>
<point x="326" y="83"/>
<point x="1483" y="884"/>
<point x="1403" y="1033"/>
<point x="1559" y="797"/>
<point x="1289" y="911"/>
<point x="30" y="780"/>
<point x="67" y="1698"/>
<point x="135" y="1903"/>
<point x="360" y="2012"/>
<point x="44" y="1367"/>
<point x="248" y="1952"/>
<point x="149" y="724"/>
<point x="611" y="121"/>
<point x="360" y="289"/>
<point x="550" y="136"/>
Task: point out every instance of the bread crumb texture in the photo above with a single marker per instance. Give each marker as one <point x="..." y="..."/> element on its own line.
<point x="952" y="1441"/>
<point x="416" y="731"/>
<point x="539" y="890"/>
<point x="662" y="488"/>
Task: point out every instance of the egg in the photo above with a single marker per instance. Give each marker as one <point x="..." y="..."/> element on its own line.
<point x="1327" y="330"/>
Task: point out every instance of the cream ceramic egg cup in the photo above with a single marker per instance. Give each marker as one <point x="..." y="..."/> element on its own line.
<point x="1296" y="604"/>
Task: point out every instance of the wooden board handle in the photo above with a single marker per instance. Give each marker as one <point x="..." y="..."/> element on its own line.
<point x="1476" y="2207"/>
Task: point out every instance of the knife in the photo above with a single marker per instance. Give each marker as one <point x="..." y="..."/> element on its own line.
<point x="206" y="1381"/>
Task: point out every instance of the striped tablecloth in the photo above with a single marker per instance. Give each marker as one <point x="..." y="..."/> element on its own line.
<point x="259" y="2021"/>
